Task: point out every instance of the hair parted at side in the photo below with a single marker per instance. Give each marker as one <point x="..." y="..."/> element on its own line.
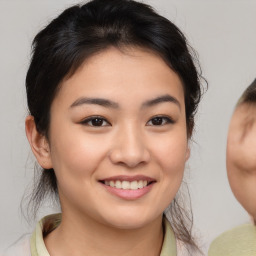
<point x="81" y="31"/>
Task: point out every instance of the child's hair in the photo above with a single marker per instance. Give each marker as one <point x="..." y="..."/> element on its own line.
<point x="84" y="30"/>
<point x="249" y="95"/>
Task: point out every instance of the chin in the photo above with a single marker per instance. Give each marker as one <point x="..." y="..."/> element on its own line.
<point x="128" y="221"/>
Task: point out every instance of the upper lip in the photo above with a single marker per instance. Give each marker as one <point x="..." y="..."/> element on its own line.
<point x="129" y="178"/>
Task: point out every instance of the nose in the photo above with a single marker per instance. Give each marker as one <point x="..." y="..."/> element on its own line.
<point x="129" y="148"/>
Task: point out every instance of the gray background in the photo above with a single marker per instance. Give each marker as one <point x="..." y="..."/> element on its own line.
<point x="222" y="32"/>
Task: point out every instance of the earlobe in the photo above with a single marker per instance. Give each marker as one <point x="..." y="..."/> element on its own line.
<point x="38" y="143"/>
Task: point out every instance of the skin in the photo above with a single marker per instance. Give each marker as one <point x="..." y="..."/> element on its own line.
<point x="94" y="221"/>
<point x="241" y="156"/>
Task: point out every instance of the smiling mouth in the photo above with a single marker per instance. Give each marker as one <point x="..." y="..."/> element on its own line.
<point x="127" y="185"/>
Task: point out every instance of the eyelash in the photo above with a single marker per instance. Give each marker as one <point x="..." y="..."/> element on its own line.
<point x="94" y="118"/>
<point x="165" y="119"/>
<point x="103" y="122"/>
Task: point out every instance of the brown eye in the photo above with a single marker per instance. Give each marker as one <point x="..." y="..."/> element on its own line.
<point x="159" y="121"/>
<point x="95" y="121"/>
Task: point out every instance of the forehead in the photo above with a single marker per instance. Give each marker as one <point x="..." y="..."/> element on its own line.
<point x="244" y="113"/>
<point x="123" y="74"/>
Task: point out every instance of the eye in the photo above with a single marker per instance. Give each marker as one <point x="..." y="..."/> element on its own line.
<point x="96" y="121"/>
<point x="159" y="121"/>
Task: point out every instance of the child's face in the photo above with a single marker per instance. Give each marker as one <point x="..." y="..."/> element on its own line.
<point x="119" y="121"/>
<point x="241" y="156"/>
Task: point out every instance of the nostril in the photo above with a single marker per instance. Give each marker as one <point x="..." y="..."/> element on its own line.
<point x="129" y="156"/>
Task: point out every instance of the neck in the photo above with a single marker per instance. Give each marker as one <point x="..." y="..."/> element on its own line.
<point x="84" y="236"/>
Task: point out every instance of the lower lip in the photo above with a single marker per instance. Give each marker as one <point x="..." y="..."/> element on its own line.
<point x="129" y="194"/>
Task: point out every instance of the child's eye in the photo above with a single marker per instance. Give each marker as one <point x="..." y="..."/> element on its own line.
<point x="95" y="121"/>
<point x="159" y="121"/>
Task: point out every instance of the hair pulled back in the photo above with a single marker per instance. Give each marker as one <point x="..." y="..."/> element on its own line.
<point x="84" y="30"/>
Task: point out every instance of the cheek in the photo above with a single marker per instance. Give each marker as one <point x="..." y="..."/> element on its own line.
<point x="243" y="185"/>
<point x="77" y="156"/>
<point x="171" y="156"/>
<point x="244" y="190"/>
<point x="172" y="153"/>
<point x="75" y="161"/>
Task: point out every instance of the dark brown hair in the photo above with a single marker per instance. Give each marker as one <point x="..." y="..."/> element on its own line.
<point x="249" y="95"/>
<point x="84" y="30"/>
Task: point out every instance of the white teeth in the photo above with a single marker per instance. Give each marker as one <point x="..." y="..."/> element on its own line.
<point x="141" y="183"/>
<point x="125" y="184"/>
<point x="118" y="184"/>
<point x="136" y="184"/>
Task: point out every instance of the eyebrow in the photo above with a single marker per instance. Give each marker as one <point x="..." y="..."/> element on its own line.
<point x="95" y="101"/>
<point x="161" y="99"/>
<point x="111" y="104"/>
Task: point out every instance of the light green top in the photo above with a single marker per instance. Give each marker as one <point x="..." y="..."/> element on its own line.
<point x="240" y="241"/>
<point x="38" y="248"/>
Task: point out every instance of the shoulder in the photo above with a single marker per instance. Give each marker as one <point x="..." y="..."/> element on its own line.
<point x="172" y="246"/>
<point x="169" y="243"/>
<point x="237" y="241"/>
<point x="20" y="248"/>
<point x="33" y="244"/>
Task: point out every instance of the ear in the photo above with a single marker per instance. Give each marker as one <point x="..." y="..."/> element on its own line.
<point x="38" y="143"/>
<point x="189" y="134"/>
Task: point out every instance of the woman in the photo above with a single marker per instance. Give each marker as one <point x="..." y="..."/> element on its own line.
<point x="112" y="92"/>
<point x="241" y="169"/>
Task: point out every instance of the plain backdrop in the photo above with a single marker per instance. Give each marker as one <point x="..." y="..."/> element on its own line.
<point x="222" y="32"/>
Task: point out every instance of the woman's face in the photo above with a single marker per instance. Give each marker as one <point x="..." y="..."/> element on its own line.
<point x="241" y="156"/>
<point x="118" y="138"/>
